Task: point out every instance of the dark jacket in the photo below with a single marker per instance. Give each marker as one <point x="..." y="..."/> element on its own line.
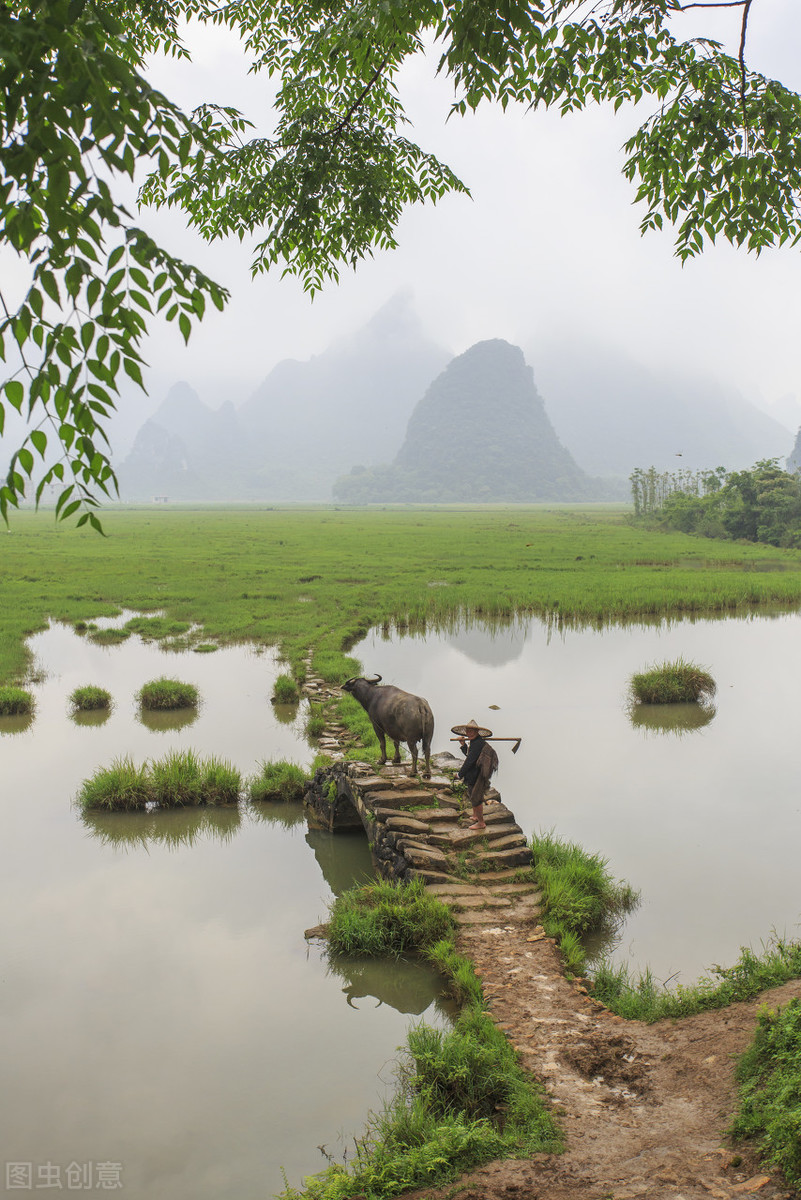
<point x="469" y="770"/>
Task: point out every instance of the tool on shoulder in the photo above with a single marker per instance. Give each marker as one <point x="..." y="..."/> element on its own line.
<point x="516" y="741"/>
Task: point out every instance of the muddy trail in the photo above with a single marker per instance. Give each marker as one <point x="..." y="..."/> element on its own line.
<point x="644" y="1107"/>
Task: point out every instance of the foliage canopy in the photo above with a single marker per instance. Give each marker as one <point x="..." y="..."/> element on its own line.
<point x="720" y="156"/>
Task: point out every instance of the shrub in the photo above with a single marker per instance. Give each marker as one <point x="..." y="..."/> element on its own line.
<point x="15" y="701"/>
<point x="315" y="726"/>
<point x="122" y="787"/>
<point x="155" y="628"/>
<point x="90" y="698"/>
<point x="278" y="781"/>
<point x="164" y="693"/>
<point x="672" y="683"/>
<point x="285" y="690"/>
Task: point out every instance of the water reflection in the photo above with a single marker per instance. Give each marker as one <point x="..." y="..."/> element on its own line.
<point x="277" y="813"/>
<point x="677" y="719"/>
<point x="90" y="717"/>
<point x="16" y="724"/>
<point x="166" y="720"/>
<point x="406" y="985"/>
<point x="172" y="828"/>
<point x="287" y="714"/>
<point x="341" y="857"/>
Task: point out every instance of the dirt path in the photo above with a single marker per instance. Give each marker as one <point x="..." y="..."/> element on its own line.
<point x="643" y="1107"/>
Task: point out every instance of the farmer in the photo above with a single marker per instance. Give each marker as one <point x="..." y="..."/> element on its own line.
<point x="480" y="762"/>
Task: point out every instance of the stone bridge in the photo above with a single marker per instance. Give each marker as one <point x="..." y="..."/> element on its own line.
<point x="417" y="829"/>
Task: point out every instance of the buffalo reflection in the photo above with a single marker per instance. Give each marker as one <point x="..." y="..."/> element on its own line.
<point x="408" y="986"/>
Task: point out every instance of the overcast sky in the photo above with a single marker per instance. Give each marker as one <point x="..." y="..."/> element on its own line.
<point x="549" y="245"/>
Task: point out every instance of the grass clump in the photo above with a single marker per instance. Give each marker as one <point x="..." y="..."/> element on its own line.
<point x="579" y="896"/>
<point x="90" y="698"/>
<point x="15" y="701"/>
<point x="672" y="683"/>
<point x="108" y="637"/>
<point x="122" y="787"/>
<point x="769" y="1078"/>
<point x="220" y="782"/>
<point x="285" y="690"/>
<point x="156" y="628"/>
<point x="181" y="780"/>
<point x="644" y="999"/>
<point x="279" y="780"/>
<point x="463" y="1098"/>
<point x="387" y="919"/>
<point x="162" y="694"/>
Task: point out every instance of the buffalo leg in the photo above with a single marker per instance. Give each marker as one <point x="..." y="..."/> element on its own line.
<point x="379" y="733"/>
<point x="413" y="751"/>
<point x="426" y="752"/>
<point x="396" y="759"/>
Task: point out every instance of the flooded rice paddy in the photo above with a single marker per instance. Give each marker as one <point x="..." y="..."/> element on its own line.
<point x="162" y="1013"/>
<point x="701" y="812"/>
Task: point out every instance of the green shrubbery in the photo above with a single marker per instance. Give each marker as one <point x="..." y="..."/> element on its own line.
<point x="674" y="682"/>
<point x="279" y="780"/>
<point x="15" y="701"/>
<point x="579" y="896"/>
<point x="769" y="1078"/>
<point x="464" y="1099"/>
<point x="90" y="698"/>
<point x="642" y="999"/>
<point x="285" y="690"/>
<point x="180" y="780"/>
<point x="162" y="694"/>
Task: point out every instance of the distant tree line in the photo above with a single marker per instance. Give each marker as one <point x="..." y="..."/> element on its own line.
<point x="761" y="504"/>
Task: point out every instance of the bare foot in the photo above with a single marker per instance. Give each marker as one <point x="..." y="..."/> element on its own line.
<point x="474" y="826"/>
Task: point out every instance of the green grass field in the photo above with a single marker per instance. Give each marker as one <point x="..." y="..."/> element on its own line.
<point x="319" y="578"/>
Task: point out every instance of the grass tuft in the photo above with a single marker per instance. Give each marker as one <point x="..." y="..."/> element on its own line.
<point x="643" y="999"/>
<point x="769" y="1078"/>
<point x="285" y="690"/>
<point x="15" y="701"/>
<point x="579" y="896"/>
<point x="122" y="787"/>
<point x="90" y="698"/>
<point x="279" y="780"/>
<point x="162" y="694"/>
<point x="674" y="682"/>
<point x="388" y="919"/>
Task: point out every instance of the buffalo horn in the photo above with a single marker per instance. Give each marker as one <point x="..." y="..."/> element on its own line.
<point x="375" y="679"/>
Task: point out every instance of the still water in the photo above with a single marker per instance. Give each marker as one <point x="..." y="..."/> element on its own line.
<point x="165" y="1024"/>
<point x="703" y="816"/>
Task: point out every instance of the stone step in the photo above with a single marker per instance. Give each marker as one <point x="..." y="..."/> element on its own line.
<point x="425" y="858"/>
<point x="402" y="824"/>
<point x="475" y="901"/>
<point x="435" y="816"/>
<point x="489" y="917"/>
<point x="509" y="874"/>
<point x="430" y="877"/>
<point x="401" y="799"/>
<point x="495" y="860"/>
<point x="492" y="835"/>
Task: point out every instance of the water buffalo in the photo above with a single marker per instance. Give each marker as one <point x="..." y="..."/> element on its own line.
<point x="396" y="715"/>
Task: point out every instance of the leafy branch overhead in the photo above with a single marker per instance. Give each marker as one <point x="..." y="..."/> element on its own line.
<point x="718" y="156"/>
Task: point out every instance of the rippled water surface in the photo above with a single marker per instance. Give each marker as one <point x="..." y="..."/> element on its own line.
<point x="701" y="813"/>
<point x="162" y="1011"/>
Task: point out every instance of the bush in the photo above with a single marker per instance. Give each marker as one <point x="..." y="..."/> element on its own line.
<point x="164" y="693"/>
<point x="122" y="787"/>
<point x="15" y="702"/>
<point x="769" y="1075"/>
<point x="672" y="683"/>
<point x="285" y="690"/>
<point x="220" y="782"/>
<point x="108" y="637"/>
<point x="89" y="699"/>
<point x="388" y="919"/>
<point x="579" y="896"/>
<point x="176" y="780"/>
<point x="278" y="781"/>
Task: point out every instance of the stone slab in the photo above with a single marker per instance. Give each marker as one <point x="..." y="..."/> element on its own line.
<point x="506" y="858"/>
<point x="400" y="799"/>
<point x="420" y="858"/>
<point x="406" y="825"/>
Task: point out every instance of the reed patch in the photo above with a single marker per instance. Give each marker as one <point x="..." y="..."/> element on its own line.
<point x="179" y="780"/>
<point x="90" y="699"/>
<point x="280" y="780"/>
<point x="677" y="682"/>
